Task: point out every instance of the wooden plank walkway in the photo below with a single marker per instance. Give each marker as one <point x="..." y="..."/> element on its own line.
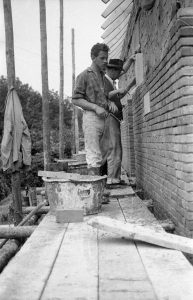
<point x="76" y="261"/>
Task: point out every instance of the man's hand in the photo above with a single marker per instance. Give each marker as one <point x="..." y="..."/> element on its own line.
<point x="112" y="107"/>
<point x="128" y="63"/>
<point x="132" y="57"/>
<point x="101" y="112"/>
<point x="122" y="92"/>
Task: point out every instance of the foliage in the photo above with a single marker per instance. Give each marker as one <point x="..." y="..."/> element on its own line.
<point x="5" y="185"/>
<point x="31" y="102"/>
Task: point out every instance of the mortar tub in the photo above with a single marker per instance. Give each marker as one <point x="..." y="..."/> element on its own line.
<point x="78" y="192"/>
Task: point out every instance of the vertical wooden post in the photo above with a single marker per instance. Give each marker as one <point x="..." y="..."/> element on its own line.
<point x="10" y="60"/>
<point x="61" y="104"/>
<point x="75" y="110"/>
<point x="16" y="185"/>
<point x="44" y="72"/>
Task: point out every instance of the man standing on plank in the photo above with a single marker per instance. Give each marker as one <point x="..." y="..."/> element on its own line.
<point x="112" y="148"/>
<point x="89" y="95"/>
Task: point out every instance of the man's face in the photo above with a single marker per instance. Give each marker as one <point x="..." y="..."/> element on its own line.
<point x="113" y="73"/>
<point x="101" y="60"/>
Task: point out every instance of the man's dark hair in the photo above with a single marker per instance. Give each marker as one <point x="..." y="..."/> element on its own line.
<point x="97" y="48"/>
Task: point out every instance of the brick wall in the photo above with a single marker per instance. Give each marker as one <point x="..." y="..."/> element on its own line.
<point x="127" y="137"/>
<point x="163" y="137"/>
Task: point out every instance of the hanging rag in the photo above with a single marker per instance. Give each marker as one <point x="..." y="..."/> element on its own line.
<point x="16" y="142"/>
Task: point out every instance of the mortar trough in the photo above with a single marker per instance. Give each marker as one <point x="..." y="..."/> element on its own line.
<point x="75" y="191"/>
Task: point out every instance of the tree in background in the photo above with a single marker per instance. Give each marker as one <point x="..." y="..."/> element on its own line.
<point x="31" y="102"/>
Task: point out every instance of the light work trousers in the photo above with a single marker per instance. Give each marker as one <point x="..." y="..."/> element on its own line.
<point x="93" y="128"/>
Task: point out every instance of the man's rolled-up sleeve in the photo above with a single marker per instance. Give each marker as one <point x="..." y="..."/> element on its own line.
<point x="80" y="88"/>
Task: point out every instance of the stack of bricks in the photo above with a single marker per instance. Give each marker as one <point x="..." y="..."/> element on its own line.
<point x="163" y="138"/>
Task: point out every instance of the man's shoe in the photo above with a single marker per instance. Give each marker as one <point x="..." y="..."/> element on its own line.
<point x="122" y="182"/>
<point x="94" y="171"/>
<point x="116" y="186"/>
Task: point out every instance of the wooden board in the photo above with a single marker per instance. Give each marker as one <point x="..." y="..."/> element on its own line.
<point x="178" y="272"/>
<point x="111" y="7"/>
<point x="110" y="36"/>
<point x="124" y="8"/>
<point x="121" y="272"/>
<point x="68" y="160"/>
<point x="120" y="192"/>
<point x="169" y="271"/>
<point x="99" y="264"/>
<point x="69" y="176"/>
<point x="116" y="24"/>
<point x="135" y="212"/>
<point x="118" y="43"/>
<point x="143" y="233"/>
<point x="26" y="275"/>
<point x="117" y="52"/>
<point x="75" y="274"/>
<point x="117" y="40"/>
<point x="78" y="262"/>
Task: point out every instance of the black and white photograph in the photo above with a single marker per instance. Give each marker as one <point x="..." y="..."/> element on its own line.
<point x="96" y="149"/>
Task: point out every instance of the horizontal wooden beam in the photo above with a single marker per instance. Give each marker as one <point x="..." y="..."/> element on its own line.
<point x="125" y="7"/>
<point x="9" y="249"/>
<point x="144" y="234"/>
<point x="111" y="7"/>
<point x="42" y="210"/>
<point x="73" y="177"/>
<point x="8" y="232"/>
<point x="32" y="213"/>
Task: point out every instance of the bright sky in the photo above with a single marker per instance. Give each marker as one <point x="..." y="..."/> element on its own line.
<point x="82" y="15"/>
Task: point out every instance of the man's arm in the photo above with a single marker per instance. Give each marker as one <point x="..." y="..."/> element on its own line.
<point x="127" y="64"/>
<point x="79" y="100"/>
<point x="123" y="91"/>
<point x="84" y="104"/>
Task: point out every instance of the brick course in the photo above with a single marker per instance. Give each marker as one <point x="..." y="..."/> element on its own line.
<point x="163" y="138"/>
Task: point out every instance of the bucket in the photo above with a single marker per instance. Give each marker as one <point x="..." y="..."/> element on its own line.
<point x="75" y="191"/>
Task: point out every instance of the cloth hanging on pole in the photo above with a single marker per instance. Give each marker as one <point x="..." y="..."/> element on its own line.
<point x="16" y="142"/>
